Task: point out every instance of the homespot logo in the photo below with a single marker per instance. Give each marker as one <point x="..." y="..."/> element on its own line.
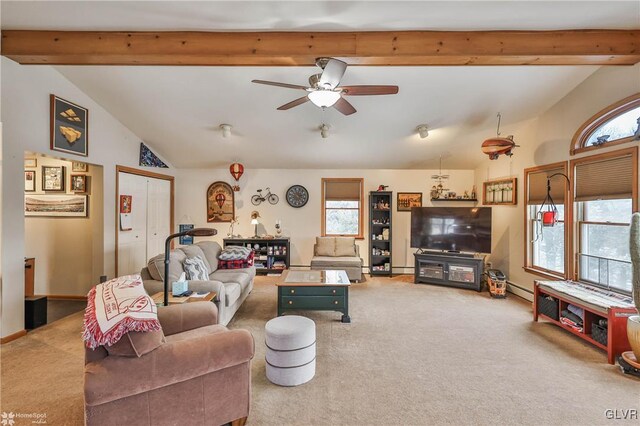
<point x="9" y="419"/>
<point x="621" y="414"/>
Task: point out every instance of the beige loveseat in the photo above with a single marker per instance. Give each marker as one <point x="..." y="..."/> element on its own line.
<point x="333" y="253"/>
<point x="192" y="372"/>
<point x="232" y="285"/>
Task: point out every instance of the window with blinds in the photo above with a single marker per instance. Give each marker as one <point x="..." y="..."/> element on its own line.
<point x="605" y="195"/>
<point x="342" y="206"/>
<point x="545" y="247"/>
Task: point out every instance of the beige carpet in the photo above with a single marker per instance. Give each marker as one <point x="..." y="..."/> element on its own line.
<point x="413" y="354"/>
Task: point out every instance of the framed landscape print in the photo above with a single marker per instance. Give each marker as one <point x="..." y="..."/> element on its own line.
<point x="69" y="127"/>
<point x="29" y="180"/>
<point x="49" y="205"/>
<point x="77" y="166"/>
<point x="79" y="183"/>
<point x="220" y="204"/>
<point x="406" y="200"/>
<point x="53" y="178"/>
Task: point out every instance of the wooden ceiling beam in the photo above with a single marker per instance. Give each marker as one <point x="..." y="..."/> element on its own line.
<point x="395" y="48"/>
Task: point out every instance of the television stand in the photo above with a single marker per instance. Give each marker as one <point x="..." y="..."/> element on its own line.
<point x="460" y="270"/>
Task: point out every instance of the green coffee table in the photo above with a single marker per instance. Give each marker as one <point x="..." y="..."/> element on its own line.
<point x="314" y="291"/>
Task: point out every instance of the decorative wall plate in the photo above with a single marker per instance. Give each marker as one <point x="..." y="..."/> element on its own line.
<point x="297" y="196"/>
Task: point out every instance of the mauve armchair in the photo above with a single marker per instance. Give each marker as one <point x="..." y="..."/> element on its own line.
<point x="199" y="373"/>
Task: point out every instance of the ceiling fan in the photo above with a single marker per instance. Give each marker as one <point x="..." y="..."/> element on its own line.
<point x="324" y="92"/>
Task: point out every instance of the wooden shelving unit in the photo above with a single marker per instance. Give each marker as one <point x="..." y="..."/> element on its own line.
<point x="380" y="208"/>
<point x="271" y="255"/>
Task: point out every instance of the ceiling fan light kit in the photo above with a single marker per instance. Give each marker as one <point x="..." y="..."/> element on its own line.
<point x="226" y="130"/>
<point x="324" y="98"/>
<point x="423" y="131"/>
<point x="324" y="131"/>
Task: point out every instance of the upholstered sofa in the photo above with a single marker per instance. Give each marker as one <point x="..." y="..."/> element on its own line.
<point x="333" y="253"/>
<point x="193" y="372"/>
<point x="232" y="285"/>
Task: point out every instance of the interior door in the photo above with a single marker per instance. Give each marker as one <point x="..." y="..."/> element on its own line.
<point x="158" y="215"/>
<point x="132" y="244"/>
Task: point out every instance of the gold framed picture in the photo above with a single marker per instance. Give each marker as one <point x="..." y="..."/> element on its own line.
<point x="407" y="200"/>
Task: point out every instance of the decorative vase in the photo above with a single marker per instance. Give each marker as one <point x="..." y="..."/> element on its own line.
<point x="633" y="334"/>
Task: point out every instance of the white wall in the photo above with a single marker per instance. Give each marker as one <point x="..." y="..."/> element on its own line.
<point x="303" y="224"/>
<point x="545" y="140"/>
<point x="25" y="114"/>
<point x="68" y="260"/>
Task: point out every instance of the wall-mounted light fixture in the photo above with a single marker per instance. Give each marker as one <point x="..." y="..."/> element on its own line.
<point x="423" y="131"/>
<point x="226" y="130"/>
<point x="324" y="131"/>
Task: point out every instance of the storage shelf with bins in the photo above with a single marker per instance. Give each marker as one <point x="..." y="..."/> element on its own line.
<point x="271" y="255"/>
<point x="500" y="192"/>
<point x="380" y="208"/>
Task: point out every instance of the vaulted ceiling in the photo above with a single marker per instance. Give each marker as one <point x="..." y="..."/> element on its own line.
<point x="178" y="109"/>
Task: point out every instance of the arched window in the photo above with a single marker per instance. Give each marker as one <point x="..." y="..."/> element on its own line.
<point x="616" y="124"/>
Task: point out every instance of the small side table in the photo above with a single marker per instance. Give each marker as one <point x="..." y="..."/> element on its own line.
<point x="159" y="298"/>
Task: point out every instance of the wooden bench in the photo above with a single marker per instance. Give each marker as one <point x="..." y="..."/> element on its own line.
<point x="597" y="304"/>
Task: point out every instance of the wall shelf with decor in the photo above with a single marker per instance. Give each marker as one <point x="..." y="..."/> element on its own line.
<point x="380" y="208"/>
<point x="500" y="192"/>
<point x="271" y="255"/>
<point x="473" y="200"/>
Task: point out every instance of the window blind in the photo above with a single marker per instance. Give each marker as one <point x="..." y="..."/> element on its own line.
<point x="607" y="179"/>
<point x="537" y="190"/>
<point x="342" y="190"/>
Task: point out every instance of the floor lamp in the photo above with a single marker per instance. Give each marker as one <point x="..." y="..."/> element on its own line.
<point x="197" y="232"/>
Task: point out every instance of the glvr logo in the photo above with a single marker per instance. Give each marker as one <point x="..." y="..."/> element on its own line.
<point x="621" y="414"/>
<point x="7" y="419"/>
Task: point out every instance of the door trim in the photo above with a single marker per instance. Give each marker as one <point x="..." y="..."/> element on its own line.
<point x="145" y="173"/>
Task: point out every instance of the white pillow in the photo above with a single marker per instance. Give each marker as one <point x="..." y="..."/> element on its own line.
<point x="234" y="253"/>
<point x="196" y="269"/>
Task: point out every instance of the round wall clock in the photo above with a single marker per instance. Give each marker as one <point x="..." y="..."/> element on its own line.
<point x="297" y="196"/>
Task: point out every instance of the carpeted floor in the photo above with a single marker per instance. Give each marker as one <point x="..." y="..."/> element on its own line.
<point x="413" y="354"/>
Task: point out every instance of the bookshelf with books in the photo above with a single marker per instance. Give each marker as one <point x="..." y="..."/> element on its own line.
<point x="380" y="208"/>
<point x="271" y="255"/>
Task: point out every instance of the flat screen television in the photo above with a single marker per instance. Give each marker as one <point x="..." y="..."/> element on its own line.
<point x="455" y="229"/>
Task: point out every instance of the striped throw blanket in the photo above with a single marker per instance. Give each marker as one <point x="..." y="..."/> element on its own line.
<point x="115" y="308"/>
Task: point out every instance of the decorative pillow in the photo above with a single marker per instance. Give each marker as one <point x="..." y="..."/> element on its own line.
<point x="345" y="246"/>
<point x="325" y="246"/>
<point x="235" y="253"/>
<point x="156" y="265"/>
<point x="196" y="269"/>
<point x="136" y="344"/>
<point x="116" y="308"/>
<point x="237" y="263"/>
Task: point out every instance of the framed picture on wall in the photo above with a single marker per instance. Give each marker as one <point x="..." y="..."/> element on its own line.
<point x="50" y="205"/>
<point x="69" y="127"/>
<point x="406" y="200"/>
<point x="29" y="180"/>
<point x="79" y="183"/>
<point x="53" y="178"/>
<point x="31" y="162"/>
<point x="77" y="166"/>
<point x="220" y="204"/>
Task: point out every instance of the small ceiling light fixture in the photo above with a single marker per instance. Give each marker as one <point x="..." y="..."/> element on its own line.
<point x="324" y="131"/>
<point x="423" y="131"/>
<point x="226" y="130"/>
<point x="323" y="98"/>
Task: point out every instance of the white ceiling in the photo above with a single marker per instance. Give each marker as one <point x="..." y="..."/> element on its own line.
<point x="177" y="110"/>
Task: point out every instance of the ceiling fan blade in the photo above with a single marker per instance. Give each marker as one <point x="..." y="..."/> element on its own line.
<point x="332" y="73"/>
<point x="295" y="103"/>
<point x="274" y="83"/>
<point x="344" y="107"/>
<point x="369" y="90"/>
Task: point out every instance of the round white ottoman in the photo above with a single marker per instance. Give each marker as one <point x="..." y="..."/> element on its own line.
<point x="291" y="350"/>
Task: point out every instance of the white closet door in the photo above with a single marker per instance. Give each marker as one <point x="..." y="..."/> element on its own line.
<point x="132" y="245"/>
<point x="158" y="215"/>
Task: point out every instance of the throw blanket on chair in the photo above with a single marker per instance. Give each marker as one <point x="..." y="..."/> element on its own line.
<point x="115" y="308"/>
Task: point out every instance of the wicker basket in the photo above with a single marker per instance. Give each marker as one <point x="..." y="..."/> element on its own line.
<point x="599" y="333"/>
<point x="548" y="307"/>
